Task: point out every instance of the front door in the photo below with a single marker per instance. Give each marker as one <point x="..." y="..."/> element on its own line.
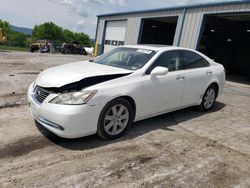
<point x="162" y="93"/>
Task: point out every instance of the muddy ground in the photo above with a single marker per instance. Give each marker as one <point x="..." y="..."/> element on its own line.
<point x="186" y="148"/>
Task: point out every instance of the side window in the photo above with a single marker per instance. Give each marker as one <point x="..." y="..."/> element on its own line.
<point x="170" y="60"/>
<point x="191" y="60"/>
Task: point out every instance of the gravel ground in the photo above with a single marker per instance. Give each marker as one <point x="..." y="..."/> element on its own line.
<point x="185" y="148"/>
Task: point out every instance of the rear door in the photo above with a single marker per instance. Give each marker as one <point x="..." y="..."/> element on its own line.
<point x="197" y="73"/>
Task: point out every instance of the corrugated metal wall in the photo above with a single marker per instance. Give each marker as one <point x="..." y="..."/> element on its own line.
<point x="191" y="25"/>
<point x="133" y="25"/>
<point x="194" y="18"/>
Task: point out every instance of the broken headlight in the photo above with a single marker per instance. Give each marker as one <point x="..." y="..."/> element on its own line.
<point x="79" y="97"/>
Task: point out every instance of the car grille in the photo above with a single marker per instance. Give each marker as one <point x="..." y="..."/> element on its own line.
<point x="40" y="94"/>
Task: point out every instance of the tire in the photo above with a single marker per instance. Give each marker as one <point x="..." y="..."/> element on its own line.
<point x="67" y="51"/>
<point x="208" y="99"/>
<point x="115" y="119"/>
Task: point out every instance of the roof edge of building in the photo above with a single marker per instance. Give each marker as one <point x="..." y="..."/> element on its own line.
<point x="188" y="6"/>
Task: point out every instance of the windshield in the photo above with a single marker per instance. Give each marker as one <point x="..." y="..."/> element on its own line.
<point x="126" y="58"/>
<point x="41" y="41"/>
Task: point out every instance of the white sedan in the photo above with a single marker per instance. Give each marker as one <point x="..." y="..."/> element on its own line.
<point x="107" y="94"/>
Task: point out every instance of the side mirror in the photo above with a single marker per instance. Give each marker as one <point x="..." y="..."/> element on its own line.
<point x="159" y="71"/>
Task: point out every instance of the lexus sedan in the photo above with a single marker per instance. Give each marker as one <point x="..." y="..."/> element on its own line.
<point x="107" y="94"/>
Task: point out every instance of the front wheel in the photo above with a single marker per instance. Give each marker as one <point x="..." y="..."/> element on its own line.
<point x="115" y="119"/>
<point x="208" y="99"/>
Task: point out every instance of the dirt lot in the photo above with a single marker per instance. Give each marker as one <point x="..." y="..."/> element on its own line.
<point x="186" y="148"/>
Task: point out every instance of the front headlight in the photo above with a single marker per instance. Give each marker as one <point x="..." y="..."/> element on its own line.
<point x="79" y="97"/>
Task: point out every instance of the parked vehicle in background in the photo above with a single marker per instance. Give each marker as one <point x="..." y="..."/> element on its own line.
<point x="73" y="48"/>
<point x="47" y="48"/>
<point x="58" y="47"/>
<point x="43" y="46"/>
<point x="127" y="84"/>
<point x="89" y="50"/>
<point x="3" y="38"/>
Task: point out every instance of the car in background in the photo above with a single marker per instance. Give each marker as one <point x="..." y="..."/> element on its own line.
<point x="73" y="47"/>
<point x="43" y="46"/>
<point x="89" y="50"/>
<point x="127" y="84"/>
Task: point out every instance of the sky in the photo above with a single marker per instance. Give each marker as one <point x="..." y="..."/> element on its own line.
<point x="76" y="15"/>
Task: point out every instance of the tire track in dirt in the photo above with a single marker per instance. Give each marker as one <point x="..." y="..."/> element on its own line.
<point x="13" y="100"/>
<point x="24" y="146"/>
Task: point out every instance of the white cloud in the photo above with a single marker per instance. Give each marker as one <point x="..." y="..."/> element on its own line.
<point x="81" y="22"/>
<point x="113" y="2"/>
<point x="67" y="2"/>
<point x="118" y="2"/>
<point x="81" y="10"/>
<point x="77" y="7"/>
<point x="36" y="15"/>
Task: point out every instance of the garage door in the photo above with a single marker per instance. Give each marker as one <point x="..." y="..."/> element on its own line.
<point x="115" y="34"/>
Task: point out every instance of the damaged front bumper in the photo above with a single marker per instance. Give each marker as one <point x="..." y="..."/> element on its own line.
<point x="68" y="121"/>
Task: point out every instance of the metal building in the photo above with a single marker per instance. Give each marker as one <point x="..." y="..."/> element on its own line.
<point x="220" y="30"/>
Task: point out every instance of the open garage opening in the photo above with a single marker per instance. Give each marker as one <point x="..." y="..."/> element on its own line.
<point x="158" y="30"/>
<point x="226" y="39"/>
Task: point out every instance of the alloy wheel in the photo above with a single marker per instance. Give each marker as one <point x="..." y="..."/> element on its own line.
<point x="209" y="98"/>
<point x="116" y="119"/>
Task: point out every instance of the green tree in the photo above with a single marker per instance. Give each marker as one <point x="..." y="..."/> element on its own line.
<point x="13" y="38"/>
<point x="57" y="34"/>
<point x="82" y="38"/>
<point x="68" y="36"/>
<point x="6" y="28"/>
<point x="18" y="39"/>
<point x="48" y="30"/>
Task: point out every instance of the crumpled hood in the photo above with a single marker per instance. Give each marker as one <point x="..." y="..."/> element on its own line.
<point x="73" y="72"/>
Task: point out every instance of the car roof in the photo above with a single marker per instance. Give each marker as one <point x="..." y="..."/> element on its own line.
<point x="162" y="48"/>
<point x="155" y="47"/>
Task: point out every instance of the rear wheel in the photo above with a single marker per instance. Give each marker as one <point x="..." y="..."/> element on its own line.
<point x="67" y="51"/>
<point x="115" y="119"/>
<point x="208" y="99"/>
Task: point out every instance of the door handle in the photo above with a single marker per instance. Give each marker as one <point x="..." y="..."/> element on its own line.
<point x="180" y="77"/>
<point x="209" y="72"/>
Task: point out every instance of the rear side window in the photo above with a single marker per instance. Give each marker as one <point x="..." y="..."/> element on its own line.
<point x="191" y="60"/>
